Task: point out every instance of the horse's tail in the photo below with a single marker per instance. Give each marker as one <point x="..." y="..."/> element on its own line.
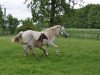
<point x="18" y="37"/>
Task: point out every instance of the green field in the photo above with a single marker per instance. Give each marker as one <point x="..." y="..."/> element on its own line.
<point x="76" y="57"/>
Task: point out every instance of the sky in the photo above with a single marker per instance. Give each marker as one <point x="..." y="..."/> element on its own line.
<point x="19" y="10"/>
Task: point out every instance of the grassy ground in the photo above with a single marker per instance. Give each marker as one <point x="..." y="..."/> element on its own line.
<point x="76" y="57"/>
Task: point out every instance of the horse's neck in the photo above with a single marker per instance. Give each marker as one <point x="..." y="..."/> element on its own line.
<point x="40" y="39"/>
<point x="51" y="34"/>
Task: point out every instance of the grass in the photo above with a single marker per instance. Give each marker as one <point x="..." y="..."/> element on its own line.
<point x="76" y="57"/>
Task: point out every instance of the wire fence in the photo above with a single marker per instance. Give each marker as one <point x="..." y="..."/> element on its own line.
<point x="83" y="33"/>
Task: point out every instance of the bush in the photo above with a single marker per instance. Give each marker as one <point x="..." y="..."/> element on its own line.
<point x="27" y="27"/>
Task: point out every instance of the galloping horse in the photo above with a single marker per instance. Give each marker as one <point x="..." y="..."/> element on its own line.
<point x="31" y="36"/>
<point x="51" y="33"/>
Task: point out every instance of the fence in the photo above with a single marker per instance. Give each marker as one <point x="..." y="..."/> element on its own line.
<point x="84" y="33"/>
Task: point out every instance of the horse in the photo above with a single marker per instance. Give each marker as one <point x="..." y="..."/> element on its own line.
<point x="51" y="33"/>
<point x="30" y="36"/>
<point x="28" y="46"/>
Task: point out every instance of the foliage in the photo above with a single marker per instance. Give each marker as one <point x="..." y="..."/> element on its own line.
<point x="1" y="19"/>
<point x="59" y="12"/>
<point x="47" y="10"/>
<point x="27" y="24"/>
<point x="12" y="23"/>
<point x="94" y="17"/>
<point x="86" y="17"/>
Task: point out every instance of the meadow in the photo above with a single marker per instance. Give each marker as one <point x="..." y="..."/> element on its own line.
<point x="76" y="57"/>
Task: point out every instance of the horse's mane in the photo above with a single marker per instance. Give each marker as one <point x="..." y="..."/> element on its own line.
<point x="54" y="27"/>
<point x="51" y="32"/>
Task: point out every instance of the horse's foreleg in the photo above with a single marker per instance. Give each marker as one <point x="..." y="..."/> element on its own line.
<point x="57" y="52"/>
<point x="53" y="44"/>
<point x="44" y="52"/>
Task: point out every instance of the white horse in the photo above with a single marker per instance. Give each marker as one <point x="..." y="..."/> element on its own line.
<point x="30" y="35"/>
<point x="51" y="33"/>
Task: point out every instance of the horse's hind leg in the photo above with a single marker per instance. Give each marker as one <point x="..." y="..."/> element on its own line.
<point x="46" y="52"/>
<point x="26" y="50"/>
<point x="34" y="55"/>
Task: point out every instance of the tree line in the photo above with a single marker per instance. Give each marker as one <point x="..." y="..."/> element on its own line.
<point x="48" y="13"/>
<point x="51" y="12"/>
<point x="86" y="17"/>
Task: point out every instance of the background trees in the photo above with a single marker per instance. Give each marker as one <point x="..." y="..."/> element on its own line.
<point x="52" y="12"/>
<point x="47" y="10"/>
<point x="86" y="17"/>
<point x="12" y="23"/>
<point x="1" y="18"/>
<point x="27" y="24"/>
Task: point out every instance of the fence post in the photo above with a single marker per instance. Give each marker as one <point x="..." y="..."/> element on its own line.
<point x="97" y="36"/>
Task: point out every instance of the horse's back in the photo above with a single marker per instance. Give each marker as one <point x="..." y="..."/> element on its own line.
<point x="30" y="35"/>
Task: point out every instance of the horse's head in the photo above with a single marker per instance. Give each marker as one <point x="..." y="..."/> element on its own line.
<point x="60" y="29"/>
<point x="43" y="36"/>
<point x="56" y="29"/>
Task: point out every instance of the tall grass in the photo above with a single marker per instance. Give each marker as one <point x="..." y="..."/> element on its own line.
<point x="76" y="57"/>
<point x="84" y="33"/>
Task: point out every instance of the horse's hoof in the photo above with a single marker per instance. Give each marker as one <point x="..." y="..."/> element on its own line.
<point x="47" y="56"/>
<point x="57" y="53"/>
<point x="25" y="55"/>
<point x="38" y="59"/>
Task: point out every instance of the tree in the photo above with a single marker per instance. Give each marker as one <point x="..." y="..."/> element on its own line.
<point x="94" y="16"/>
<point x="1" y="18"/>
<point x="12" y="23"/>
<point x="86" y="17"/>
<point x="27" y="24"/>
<point x="47" y="10"/>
